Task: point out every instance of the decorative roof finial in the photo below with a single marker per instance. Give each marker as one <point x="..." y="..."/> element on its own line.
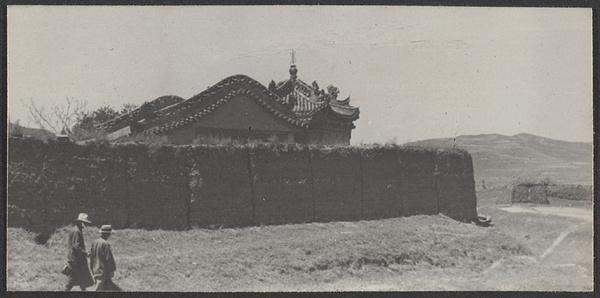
<point x="293" y="69"/>
<point x="293" y="62"/>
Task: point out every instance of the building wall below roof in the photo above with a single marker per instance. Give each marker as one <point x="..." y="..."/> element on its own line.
<point x="242" y="113"/>
<point x="329" y="136"/>
<point x="241" y="118"/>
<point x="183" y="135"/>
<point x="321" y="136"/>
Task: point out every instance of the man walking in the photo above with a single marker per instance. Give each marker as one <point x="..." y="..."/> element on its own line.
<point x="79" y="274"/>
<point x="102" y="263"/>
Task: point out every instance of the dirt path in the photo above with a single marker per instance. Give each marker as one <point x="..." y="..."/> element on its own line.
<point x="565" y="265"/>
<point x="579" y="213"/>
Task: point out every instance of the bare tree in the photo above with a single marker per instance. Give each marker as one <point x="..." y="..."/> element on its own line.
<point x="60" y="119"/>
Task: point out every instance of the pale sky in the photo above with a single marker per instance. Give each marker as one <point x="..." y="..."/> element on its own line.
<point x="415" y="72"/>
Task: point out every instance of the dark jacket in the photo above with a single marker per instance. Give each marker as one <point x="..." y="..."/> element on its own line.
<point x="77" y="258"/>
<point x="102" y="263"/>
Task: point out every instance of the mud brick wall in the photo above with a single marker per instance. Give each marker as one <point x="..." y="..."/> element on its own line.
<point x="49" y="181"/>
<point x="337" y="184"/>
<point x="96" y="184"/>
<point x="23" y="171"/>
<point x="157" y="188"/>
<point x="418" y="183"/>
<point x="382" y="195"/>
<point x="456" y="185"/>
<point x="181" y="187"/>
<point x="282" y="185"/>
<point x="222" y="195"/>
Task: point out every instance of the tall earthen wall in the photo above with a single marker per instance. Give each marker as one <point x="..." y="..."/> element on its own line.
<point x="181" y="187"/>
<point x="222" y="193"/>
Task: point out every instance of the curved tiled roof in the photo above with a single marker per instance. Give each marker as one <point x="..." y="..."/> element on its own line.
<point x="344" y="110"/>
<point x="292" y="101"/>
<point x="307" y="102"/>
<point x="141" y="112"/>
<point x="216" y="96"/>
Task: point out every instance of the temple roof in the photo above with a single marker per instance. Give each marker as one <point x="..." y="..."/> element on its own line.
<point x="308" y="99"/>
<point x="291" y="100"/>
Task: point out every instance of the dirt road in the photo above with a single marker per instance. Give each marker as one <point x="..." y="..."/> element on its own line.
<point x="561" y="241"/>
<point x="579" y="213"/>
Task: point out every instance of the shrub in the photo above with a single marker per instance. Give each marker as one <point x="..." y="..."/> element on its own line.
<point x="152" y="140"/>
<point x="571" y="192"/>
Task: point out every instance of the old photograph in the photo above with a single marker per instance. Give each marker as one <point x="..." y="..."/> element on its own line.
<point x="299" y="149"/>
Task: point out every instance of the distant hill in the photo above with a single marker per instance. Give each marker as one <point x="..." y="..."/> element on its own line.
<point x="501" y="160"/>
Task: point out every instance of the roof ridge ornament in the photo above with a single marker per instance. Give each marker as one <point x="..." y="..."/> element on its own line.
<point x="293" y="69"/>
<point x="333" y="91"/>
<point x="293" y="61"/>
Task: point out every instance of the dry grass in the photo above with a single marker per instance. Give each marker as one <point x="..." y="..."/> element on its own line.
<point x="412" y="253"/>
<point x="310" y="256"/>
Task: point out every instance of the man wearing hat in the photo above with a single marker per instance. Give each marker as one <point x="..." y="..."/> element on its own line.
<point x="79" y="274"/>
<point x="102" y="263"/>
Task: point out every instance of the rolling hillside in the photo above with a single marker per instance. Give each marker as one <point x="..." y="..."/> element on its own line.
<point x="501" y="160"/>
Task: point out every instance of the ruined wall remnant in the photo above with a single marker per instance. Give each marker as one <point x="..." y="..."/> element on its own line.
<point x="530" y="193"/>
<point x="571" y="192"/>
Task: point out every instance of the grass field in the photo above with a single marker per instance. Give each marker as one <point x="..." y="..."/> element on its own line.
<point x="412" y="253"/>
